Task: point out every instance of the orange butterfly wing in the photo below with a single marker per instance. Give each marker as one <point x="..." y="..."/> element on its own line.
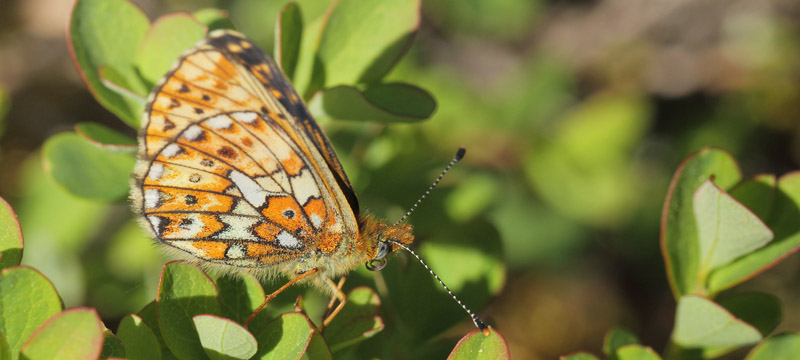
<point x="232" y="169"/>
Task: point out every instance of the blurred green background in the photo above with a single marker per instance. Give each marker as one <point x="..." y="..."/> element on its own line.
<point x="575" y="114"/>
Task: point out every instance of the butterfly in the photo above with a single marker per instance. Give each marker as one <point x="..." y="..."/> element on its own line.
<point x="233" y="173"/>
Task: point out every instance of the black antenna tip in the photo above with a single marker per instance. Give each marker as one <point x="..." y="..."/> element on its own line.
<point x="460" y="153"/>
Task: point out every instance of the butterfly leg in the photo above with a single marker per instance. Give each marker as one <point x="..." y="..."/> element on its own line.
<point x="334" y="297"/>
<point x="280" y="290"/>
<point x="337" y="295"/>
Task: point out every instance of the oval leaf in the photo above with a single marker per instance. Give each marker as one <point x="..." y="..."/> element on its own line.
<point x="185" y="291"/>
<point x="123" y="28"/>
<point x="288" y="36"/>
<point x="106" y="138"/>
<point x="86" y="170"/>
<point x="112" y="346"/>
<point x="239" y="296"/>
<point x="286" y="337"/>
<point x="27" y="299"/>
<point x="357" y="321"/>
<point x="636" y="352"/>
<point x="783" y="202"/>
<point x="138" y="339"/>
<point x="72" y="334"/>
<point x="679" y="243"/>
<point x="363" y="40"/>
<point x="726" y="230"/>
<point x="224" y="339"/>
<point x="617" y="338"/>
<point x="781" y="346"/>
<point x="476" y="345"/>
<point x="213" y="19"/>
<point x="11" y="242"/>
<point x="391" y="104"/>
<point x="700" y="323"/>
<point x="169" y="36"/>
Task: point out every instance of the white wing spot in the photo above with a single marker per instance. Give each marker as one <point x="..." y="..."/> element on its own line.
<point x="151" y="198"/>
<point x="192" y="133"/>
<point x="235" y="251"/>
<point x="220" y="122"/>
<point x="155" y="221"/>
<point x="245" y="117"/>
<point x="249" y="188"/>
<point x="316" y="220"/>
<point x="304" y="186"/>
<point x="171" y="150"/>
<point x="156" y="170"/>
<point x="288" y="240"/>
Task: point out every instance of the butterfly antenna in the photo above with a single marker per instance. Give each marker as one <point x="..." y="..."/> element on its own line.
<point x="459" y="155"/>
<point x="475" y="319"/>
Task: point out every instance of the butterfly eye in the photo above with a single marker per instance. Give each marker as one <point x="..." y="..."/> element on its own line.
<point x="383" y="250"/>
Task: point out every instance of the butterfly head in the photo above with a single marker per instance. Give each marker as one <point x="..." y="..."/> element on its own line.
<point x="383" y="240"/>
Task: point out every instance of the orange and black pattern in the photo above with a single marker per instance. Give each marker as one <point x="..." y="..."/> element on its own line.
<point x="232" y="168"/>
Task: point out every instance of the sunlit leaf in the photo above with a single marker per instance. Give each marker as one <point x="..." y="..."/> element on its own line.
<point x="138" y="339"/>
<point x="700" y="323"/>
<point x="86" y="170"/>
<point x="185" y="291"/>
<point x="11" y="242"/>
<point x="679" y="242"/>
<point x="726" y="230"/>
<point x="72" y="334"/>
<point x="124" y="26"/>
<point x="169" y="36"/>
<point x="781" y="346"/>
<point x="476" y="345"/>
<point x="27" y="299"/>
<point x="224" y="339"/>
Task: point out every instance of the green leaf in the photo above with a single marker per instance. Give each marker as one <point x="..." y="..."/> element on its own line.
<point x="11" y="242"/>
<point x="781" y="346"/>
<point x="761" y="310"/>
<point x="317" y="349"/>
<point x="108" y="33"/>
<point x="726" y="230"/>
<point x="112" y="346"/>
<point x="240" y="296"/>
<point x="106" y="138"/>
<point x="472" y="196"/>
<point x="214" y="19"/>
<point x="185" y="291"/>
<point x="169" y="36"/>
<point x="700" y="323"/>
<point x="72" y="334"/>
<point x="385" y="103"/>
<point x="579" y="356"/>
<point x="636" y="352"/>
<point x="116" y="82"/>
<point x="357" y="321"/>
<point x="779" y="206"/>
<point x="679" y="243"/>
<point x="286" y="337"/>
<point x="288" y="37"/>
<point x="27" y="299"/>
<point x="616" y="338"/>
<point x="224" y="339"/>
<point x="138" y="339"/>
<point x="86" y="170"/>
<point x="476" y="345"/>
<point x="149" y="315"/>
<point x="362" y="41"/>
<point x="5" y="351"/>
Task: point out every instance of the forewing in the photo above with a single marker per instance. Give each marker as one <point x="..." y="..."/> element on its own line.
<point x="226" y="173"/>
